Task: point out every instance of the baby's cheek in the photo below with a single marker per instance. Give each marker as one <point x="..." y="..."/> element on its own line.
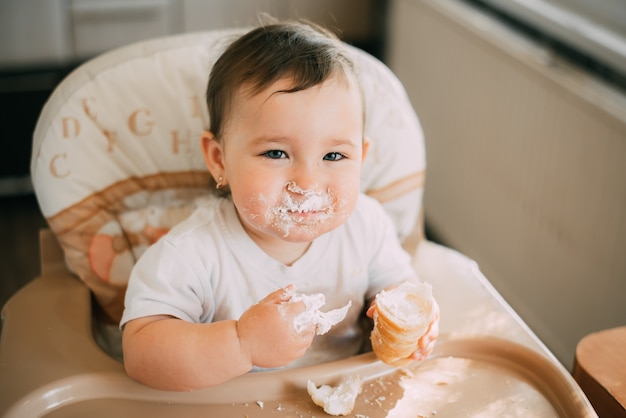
<point x="254" y="209"/>
<point x="344" y="199"/>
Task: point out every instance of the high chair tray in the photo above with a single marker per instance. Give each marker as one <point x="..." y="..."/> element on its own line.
<point x="486" y="377"/>
<point x="486" y="363"/>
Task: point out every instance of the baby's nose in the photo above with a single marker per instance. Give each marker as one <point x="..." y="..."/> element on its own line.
<point x="294" y="187"/>
<point x="304" y="180"/>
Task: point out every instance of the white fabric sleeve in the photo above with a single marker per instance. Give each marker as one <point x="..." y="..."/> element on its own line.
<point x="166" y="282"/>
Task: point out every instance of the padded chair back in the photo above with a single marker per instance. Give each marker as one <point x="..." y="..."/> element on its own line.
<point x="117" y="161"/>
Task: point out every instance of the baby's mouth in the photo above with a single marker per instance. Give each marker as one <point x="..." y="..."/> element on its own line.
<point x="308" y="204"/>
<point x="301" y="213"/>
<point x="301" y="208"/>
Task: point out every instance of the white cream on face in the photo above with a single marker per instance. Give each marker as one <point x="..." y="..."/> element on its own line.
<point x="300" y="207"/>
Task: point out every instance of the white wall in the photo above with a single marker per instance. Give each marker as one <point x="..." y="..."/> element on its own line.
<point x="526" y="166"/>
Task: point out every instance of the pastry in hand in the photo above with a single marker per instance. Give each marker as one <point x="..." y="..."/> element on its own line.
<point x="401" y="317"/>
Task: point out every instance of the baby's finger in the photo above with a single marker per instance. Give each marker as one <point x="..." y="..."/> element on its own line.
<point x="281" y="295"/>
<point x="370" y="311"/>
<point x="423" y="350"/>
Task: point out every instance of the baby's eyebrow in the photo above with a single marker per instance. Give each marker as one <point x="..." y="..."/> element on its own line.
<point x="342" y="142"/>
<point x="260" y="140"/>
<point x="333" y="142"/>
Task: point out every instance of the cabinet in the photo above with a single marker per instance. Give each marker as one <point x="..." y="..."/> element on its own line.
<point x="57" y="32"/>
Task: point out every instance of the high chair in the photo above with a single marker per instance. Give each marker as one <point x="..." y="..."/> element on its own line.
<point x="116" y="163"/>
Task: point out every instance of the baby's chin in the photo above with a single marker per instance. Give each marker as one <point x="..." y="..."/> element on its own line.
<point x="303" y="233"/>
<point x="309" y="231"/>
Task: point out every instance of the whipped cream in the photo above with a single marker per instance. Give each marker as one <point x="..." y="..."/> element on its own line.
<point x="312" y="315"/>
<point x="337" y="400"/>
<point x="296" y="203"/>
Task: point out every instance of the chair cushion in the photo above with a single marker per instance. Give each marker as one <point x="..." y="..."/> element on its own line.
<point x="117" y="159"/>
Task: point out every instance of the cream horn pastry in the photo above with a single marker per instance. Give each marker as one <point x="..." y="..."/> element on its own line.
<point x="401" y="318"/>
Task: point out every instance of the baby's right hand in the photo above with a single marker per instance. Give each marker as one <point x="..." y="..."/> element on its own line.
<point x="266" y="330"/>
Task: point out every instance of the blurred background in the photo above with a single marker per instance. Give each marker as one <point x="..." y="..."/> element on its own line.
<point x="523" y="105"/>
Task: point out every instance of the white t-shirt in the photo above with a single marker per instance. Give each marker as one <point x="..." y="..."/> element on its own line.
<point x="208" y="269"/>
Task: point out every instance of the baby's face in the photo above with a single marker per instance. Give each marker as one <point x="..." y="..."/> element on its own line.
<point x="293" y="160"/>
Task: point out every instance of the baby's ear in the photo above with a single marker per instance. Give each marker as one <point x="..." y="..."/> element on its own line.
<point x="366" y="147"/>
<point x="212" y="153"/>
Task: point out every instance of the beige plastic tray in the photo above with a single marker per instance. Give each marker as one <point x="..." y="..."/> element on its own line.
<point x="478" y="377"/>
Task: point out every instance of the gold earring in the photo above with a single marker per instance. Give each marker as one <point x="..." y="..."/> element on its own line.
<point x="220" y="182"/>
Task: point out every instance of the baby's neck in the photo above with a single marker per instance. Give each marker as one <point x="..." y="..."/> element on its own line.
<point x="287" y="253"/>
<point x="283" y="251"/>
<point x="280" y="250"/>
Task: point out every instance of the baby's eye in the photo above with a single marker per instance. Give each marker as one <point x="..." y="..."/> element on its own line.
<point x="334" y="156"/>
<point x="275" y="154"/>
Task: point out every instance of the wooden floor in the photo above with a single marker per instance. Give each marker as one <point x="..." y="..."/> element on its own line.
<point x="20" y="221"/>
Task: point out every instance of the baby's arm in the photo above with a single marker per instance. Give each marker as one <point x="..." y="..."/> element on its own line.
<point x="171" y="354"/>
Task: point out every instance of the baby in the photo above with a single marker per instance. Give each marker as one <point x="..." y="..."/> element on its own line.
<point x="214" y="298"/>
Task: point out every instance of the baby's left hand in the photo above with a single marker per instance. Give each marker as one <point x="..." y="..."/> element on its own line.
<point x="426" y="343"/>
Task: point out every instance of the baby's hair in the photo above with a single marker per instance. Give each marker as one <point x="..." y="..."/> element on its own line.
<point x="304" y="52"/>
